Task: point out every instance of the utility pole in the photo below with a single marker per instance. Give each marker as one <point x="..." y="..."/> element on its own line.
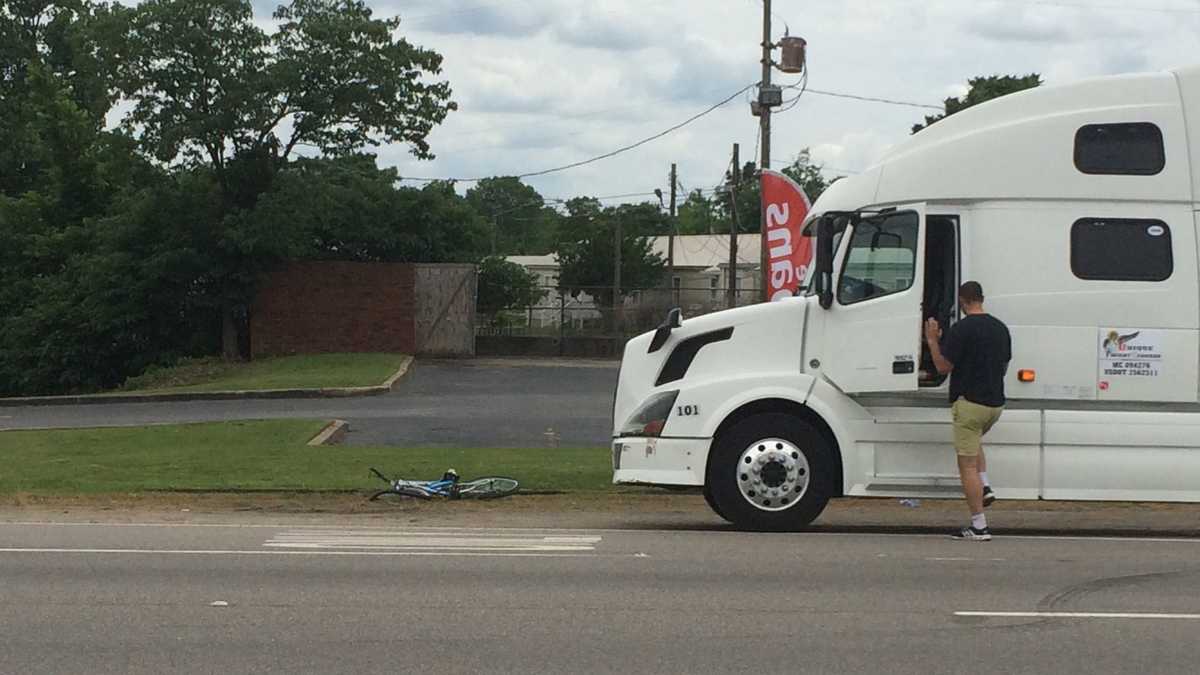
<point x="765" y="122"/>
<point x="671" y="242"/>
<point x="617" y="304"/>
<point x="731" y="287"/>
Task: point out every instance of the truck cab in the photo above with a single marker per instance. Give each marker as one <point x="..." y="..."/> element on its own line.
<point x="1074" y="206"/>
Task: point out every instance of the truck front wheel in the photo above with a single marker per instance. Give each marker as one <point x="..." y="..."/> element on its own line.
<point x="770" y="471"/>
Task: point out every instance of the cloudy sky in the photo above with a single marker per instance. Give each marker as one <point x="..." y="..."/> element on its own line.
<point x="542" y="83"/>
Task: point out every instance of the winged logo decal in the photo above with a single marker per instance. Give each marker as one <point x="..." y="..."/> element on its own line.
<point x="1115" y="342"/>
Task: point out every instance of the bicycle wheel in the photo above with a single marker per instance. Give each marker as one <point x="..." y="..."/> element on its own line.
<point x="401" y="494"/>
<point x="490" y="487"/>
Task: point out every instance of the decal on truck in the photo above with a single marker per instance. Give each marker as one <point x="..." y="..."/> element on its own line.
<point x="1129" y="353"/>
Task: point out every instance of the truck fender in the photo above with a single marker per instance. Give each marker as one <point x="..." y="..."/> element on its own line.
<point x="822" y="404"/>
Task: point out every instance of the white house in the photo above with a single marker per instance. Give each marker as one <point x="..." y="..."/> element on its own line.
<point x="701" y="277"/>
<point x="554" y="307"/>
<point x="702" y="269"/>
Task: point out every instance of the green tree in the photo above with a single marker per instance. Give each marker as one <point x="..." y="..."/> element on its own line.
<point x="587" y="260"/>
<point x="809" y="176"/>
<point x="983" y="89"/>
<point x="748" y="195"/>
<point x="71" y="315"/>
<point x="72" y="43"/>
<point x="94" y="291"/>
<point x="520" y="221"/>
<point x="346" y="208"/>
<point x="739" y="200"/>
<point x="506" y="285"/>
<point x="699" y="215"/>
<point x="212" y="90"/>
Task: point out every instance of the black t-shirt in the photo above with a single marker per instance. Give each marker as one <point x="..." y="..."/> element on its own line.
<point x="980" y="348"/>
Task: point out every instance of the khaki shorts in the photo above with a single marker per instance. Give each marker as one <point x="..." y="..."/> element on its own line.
<point x="971" y="422"/>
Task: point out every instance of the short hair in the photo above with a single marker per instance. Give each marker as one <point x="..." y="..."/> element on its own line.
<point x="971" y="291"/>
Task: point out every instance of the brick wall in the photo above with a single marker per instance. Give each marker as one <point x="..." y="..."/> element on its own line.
<point x="315" y="307"/>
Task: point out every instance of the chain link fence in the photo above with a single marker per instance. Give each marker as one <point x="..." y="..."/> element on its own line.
<point x="591" y="313"/>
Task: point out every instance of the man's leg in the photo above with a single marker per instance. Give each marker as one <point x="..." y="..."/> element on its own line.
<point x="989" y="497"/>
<point x="968" y="444"/>
<point x="968" y="472"/>
<point x="993" y="416"/>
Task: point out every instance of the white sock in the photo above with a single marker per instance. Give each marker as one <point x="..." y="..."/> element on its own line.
<point x="979" y="521"/>
<point x="983" y="477"/>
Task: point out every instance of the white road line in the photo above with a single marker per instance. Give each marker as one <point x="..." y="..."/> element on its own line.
<point x="276" y="552"/>
<point x="437" y="541"/>
<point x="968" y="559"/>
<point x="429" y="547"/>
<point x="1082" y="615"/>
<point x="496" y="535"/>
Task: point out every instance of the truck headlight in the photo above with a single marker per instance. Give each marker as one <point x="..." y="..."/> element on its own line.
<point x="651" y="416"/>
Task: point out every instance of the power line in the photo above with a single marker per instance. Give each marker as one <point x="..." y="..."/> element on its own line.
<point x="794" y="101"/>
<point x="873" y="99"/>
<point x="606" y="155"/>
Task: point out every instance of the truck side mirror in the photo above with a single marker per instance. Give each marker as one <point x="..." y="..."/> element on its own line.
<point x="674" y="320"/>
<point x="824" y="262"/>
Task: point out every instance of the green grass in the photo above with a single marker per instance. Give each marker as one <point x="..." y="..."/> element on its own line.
<point x="269" y="454"/>
<point x="310" y="371"/>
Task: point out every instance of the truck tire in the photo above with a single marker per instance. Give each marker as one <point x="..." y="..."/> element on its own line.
<point x="712" y="503"/>
<point x="771" y="471"/>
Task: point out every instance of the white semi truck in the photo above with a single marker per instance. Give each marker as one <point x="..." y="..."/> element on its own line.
<point x="1077" y="207"/>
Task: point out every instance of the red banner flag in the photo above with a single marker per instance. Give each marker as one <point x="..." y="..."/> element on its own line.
<point x="788" y="254"/>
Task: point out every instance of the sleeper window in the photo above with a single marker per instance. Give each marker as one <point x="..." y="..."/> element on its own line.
<point x="1121" y="249"/>
<point x="1134" y="149"/>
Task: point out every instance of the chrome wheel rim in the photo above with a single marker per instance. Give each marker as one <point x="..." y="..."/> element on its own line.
<point x="773" y="474"/>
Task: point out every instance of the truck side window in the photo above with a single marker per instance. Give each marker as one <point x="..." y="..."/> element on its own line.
<point x="1131" y="149"/>
<point x="881" y="258"/>
<point x="1121" y="249"/>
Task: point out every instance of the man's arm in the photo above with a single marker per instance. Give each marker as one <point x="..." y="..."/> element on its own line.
<point x="933" y="333"/>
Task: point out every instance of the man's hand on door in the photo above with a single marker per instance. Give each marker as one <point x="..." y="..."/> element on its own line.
<point x="933" y="331"/>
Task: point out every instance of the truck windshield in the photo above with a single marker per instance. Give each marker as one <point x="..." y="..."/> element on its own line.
<point x="881" y="259"/>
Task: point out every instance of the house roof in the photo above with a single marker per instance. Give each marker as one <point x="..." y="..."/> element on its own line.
<point x="699" y="251"/>
<point x="707" y="250"/>
<point x="550" y="260"/>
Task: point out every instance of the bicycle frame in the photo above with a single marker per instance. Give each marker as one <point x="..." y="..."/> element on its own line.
<point x="432" y="488"/>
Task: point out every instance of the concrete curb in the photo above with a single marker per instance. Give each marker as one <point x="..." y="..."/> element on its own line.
<point x="325" y="392"/>
<point x="332" y="434"/>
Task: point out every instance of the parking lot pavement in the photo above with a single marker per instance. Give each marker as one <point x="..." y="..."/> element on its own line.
<point x="497" y="403"/>
<point x="463" y="403"/>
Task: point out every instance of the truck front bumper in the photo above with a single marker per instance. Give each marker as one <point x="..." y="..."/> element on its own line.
<point x="660" y="461"/>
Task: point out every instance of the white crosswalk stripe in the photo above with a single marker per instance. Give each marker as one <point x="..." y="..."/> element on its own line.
<point x="497" y="541"/>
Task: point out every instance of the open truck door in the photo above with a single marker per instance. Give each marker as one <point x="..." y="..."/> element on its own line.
<point x="872" y="291"/>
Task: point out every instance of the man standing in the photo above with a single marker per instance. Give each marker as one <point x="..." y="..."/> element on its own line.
<point x="975" y="352"/>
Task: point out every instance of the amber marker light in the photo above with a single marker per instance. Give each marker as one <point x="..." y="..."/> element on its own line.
<point x="1026" y="375"/>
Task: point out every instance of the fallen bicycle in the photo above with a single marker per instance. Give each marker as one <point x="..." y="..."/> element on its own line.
<point x="449" y="486"/>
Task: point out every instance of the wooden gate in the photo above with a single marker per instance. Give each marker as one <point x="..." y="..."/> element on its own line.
<point x="445" y="309"/>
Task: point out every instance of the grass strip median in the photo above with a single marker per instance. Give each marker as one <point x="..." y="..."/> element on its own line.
<point x="309" y="371"/>
<point x="261" y="455"/>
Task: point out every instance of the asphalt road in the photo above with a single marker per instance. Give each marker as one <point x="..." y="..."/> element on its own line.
<point x="484" y="403"/>
<point x="140" y="599"/>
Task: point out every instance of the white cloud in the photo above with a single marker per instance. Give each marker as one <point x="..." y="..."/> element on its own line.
<point x="549" y="82"/>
